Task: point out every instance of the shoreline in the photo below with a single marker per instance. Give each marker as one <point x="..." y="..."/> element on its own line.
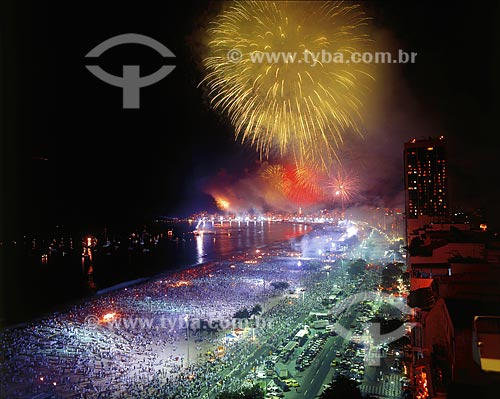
<point x="158" y="348"/>
<point x="66" y="306"/>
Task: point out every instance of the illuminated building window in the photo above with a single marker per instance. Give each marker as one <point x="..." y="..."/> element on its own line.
<point x="425" y="160"/>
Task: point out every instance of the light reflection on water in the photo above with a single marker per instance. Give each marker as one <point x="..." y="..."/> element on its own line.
<point x="236" y="237"/>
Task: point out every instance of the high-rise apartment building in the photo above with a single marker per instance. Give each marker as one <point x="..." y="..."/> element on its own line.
<point x="426" y="181"/>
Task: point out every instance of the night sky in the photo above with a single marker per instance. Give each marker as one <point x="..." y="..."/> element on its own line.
<point x="72" y="156"/>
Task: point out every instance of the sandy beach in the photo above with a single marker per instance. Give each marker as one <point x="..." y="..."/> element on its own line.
<point x="134" y="342"/>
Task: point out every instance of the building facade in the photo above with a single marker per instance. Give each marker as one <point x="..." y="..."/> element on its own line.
<point x="426" y="181"/>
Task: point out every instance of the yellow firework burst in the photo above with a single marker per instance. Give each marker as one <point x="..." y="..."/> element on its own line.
<point x="274" y="68"/>
<point x="276" y="177"/>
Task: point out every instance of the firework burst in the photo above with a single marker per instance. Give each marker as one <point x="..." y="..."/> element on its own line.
<point x="276" y="177"/>
<point x="298" y="185"/>
<point x="222" y="203"/>
<point x="344" y="187"/>
<point x="300" y="110"/>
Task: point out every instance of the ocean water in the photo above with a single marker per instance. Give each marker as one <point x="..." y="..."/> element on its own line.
<point x="35" y="287"/>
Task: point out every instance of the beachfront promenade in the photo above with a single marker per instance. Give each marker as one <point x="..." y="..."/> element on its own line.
<point x="134" y="342"/>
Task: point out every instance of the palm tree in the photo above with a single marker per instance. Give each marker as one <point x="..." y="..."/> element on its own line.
<point x="242" y="314"/>
<point x="256" y="310"/>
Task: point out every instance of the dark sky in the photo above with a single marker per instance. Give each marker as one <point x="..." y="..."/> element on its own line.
<point x="105" y="164"/>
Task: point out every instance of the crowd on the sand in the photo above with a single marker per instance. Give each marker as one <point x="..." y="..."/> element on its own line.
<point x="134" y="342"/>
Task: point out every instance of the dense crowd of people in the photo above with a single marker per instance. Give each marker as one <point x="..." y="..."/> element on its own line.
<point x="173" y="337"/>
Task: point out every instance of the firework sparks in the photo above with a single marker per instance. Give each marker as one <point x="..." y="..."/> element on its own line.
<point x="297" y="184"/>
<point x="300" y="110"/>
<point x="310" y="180"/>
<point x="276" y="177"/>
<point x="222" y="204"/>
<point x="344" y="187"/>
